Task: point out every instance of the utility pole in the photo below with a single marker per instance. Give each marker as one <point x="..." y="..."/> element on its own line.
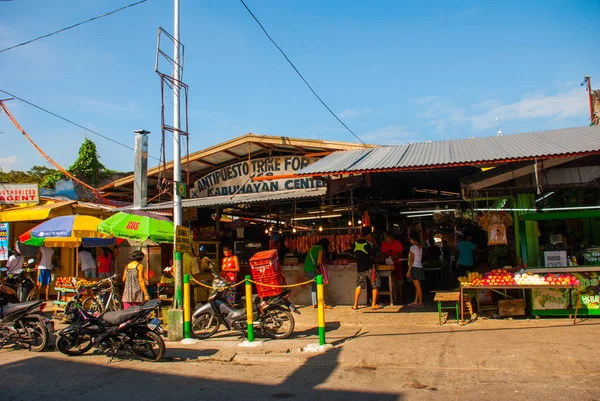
<point x="177" y="212"/>
<point x="589" y="89"/>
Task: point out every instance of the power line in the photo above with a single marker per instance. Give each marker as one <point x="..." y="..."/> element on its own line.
<point x="73" y="26"/>
<point x="299" y="74"/>
<point x="71" y="122"/>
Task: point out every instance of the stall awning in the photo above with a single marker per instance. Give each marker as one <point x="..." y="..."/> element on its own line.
<point x="35" y="213"/>
<point x="262" y="197"/>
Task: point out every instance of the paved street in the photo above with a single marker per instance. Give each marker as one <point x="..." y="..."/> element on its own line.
<point x="377" y="356"/>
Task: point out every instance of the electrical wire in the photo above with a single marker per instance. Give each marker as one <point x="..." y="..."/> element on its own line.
<point x="73" y="26"/>
<point x="299" y="74"/>
<point x="71" y="122"/>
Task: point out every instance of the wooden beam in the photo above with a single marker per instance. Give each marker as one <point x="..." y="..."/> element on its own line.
<point x="230" y="153"/>
<point x="519" y="172"/>
<point x="320" y="154"/>
<point x="260" y="145"/>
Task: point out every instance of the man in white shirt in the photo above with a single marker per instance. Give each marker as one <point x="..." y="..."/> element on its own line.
<point x="44" y="265"/>
<point x="87" y="263"/>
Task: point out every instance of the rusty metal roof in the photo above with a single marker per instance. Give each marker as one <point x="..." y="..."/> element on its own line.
<point x="231" y="151"/>
<point x="460" y="152"/>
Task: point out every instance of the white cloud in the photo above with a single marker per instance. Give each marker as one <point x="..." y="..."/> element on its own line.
<point x="482" y="116"/>
<point x="6" y="163"/>
<point x="351" y="113"/>
<point x="390" y="135"/>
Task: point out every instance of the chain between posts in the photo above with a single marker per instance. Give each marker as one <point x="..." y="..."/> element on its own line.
<point x="210" y="286"/>
<point x="255" y="283"/>
<point x="281" y="286"/>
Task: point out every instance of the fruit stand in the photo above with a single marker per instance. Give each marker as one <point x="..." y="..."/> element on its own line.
<point x="65" y="290"/>
<point x="557" y="302"/>
<point x="505" y="279"/>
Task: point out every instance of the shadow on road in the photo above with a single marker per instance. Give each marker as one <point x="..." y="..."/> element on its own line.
<point x="44" y="378"/>
<point x="459" y="330"/>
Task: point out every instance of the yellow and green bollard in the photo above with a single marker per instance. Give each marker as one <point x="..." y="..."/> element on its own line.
<point x="321" y="309"/>
<point x="249" y="310"/>
<point x="187" y="325"/>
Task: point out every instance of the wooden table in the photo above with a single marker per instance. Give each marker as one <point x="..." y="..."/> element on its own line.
<point x="448" y="296"/>
<point x="388" y="271"/>
<point x="495" y="288"/>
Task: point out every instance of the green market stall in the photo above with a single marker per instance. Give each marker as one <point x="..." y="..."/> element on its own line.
<point x="582" y="261"/>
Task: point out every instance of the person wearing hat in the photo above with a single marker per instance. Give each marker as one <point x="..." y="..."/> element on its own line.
<point x="135" y="291"/>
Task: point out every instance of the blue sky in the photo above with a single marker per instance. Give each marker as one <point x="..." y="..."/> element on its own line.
<point x="394" y="71"/>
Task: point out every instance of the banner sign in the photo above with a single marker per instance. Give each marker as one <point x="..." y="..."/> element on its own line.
<point x="551" y="299"/>
<point x="3" y="241"/>
<point x="183" y="239"/>
<point x="11" y="194"/>
<point x="235" y="178"/>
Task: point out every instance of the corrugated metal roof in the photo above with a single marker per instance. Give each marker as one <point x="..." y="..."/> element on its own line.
<point x="560" y="142"/>
<point x="243" y="198"/>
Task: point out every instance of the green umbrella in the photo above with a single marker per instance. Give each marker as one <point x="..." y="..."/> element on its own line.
<point x="139" y="226"/>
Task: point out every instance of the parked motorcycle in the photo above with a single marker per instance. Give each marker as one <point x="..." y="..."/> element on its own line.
<point x="25" y="325"/>
<point x="129" y="333"/>
<point x="21" y="281"/>
<point x="272" y="316"/>
<point x="8" y="294"/>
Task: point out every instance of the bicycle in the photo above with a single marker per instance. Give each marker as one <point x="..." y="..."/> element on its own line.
<point x="98" y="302"/>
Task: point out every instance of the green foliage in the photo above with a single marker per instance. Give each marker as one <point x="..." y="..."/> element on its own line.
<point x="86" y="168"/>
<point x="498" y="255"/>
<point x="35" y="175"/>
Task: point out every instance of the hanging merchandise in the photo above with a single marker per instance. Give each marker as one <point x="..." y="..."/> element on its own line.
<point x="366" y="220"/>
<point x="495" y="224"/>
<point x="497" y="235"/>
<point x="338" y="243"/>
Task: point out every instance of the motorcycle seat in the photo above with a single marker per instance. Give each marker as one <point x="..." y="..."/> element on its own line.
<point x="20" y="307"/>
<point x="150" y="304"/>
<point x="116" y="318"/>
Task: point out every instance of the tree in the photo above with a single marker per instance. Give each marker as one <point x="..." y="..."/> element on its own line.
<point x="86" y="168"/>
<point x="35" y="175"/>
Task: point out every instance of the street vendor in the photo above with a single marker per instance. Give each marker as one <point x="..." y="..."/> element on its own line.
<point x="393" y="251"/>
<point x="206" y="265"/>
<point x="230" y="266"/>
<point x="391" y="247"/>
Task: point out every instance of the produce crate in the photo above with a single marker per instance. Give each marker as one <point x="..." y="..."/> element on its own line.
<point x="271" y="279"/>
<point x="511" y="307"/>
<point x="265" y="262"/>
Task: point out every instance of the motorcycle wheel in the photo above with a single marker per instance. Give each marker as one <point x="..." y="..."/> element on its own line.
<point x="38" y="333"/>
<point x="91" y="304"/>
<point x="278" y="323"/>
<point x="203" y="327"/>
<point x="153" y="344"/>
<point x="69" y="345"/>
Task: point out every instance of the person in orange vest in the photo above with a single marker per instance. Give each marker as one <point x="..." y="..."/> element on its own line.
<point x="230" y="266"/>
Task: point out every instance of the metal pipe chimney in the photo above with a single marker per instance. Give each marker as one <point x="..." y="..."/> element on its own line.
<point x="140" y="172"/>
